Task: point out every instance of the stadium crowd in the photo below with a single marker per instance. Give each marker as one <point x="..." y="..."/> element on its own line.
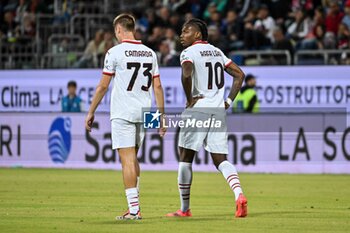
<point x="233" y="25"/>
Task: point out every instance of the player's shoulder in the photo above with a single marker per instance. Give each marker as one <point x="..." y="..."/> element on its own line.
<point x="114" y="50"/>
<point x="187" y="52"/>
<point x="212" y="47"/>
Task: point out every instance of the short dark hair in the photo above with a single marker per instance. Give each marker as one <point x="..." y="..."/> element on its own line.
<point x="72" y="84"/>
<point x="127" y="21"/>
<point x="200" y="25"/>
<point x="249" y="77"/>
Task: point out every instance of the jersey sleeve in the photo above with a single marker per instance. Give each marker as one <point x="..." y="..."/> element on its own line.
<point x="155" y="66"/>
<point x="186" y="57"/>
<point x="109" y="64"/>
<point x="227" y="61"/>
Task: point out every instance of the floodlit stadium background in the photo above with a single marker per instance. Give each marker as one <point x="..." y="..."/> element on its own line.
<point x="303" y="81"/>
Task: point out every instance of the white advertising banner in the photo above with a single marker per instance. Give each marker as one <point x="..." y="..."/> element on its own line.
<point x="277" y="88"/>
<point x="272" y="143"/>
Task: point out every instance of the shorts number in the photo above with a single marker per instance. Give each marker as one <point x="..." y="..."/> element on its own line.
<point x="218" y="71"/>
<point x="146" y="73"/>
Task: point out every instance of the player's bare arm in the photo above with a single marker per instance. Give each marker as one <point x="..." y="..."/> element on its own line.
<point x="159" y="95"/>
<point x="238" y="76"/>
<point x="100" y="92"/>
<point x="186" y="78"/>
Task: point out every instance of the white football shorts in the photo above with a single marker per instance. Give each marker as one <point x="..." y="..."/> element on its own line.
<point x="126" y="134"/>
<point x="213" y="138"/>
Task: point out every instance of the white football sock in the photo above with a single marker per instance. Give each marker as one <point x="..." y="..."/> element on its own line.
<point x="229" y="171"/>
<point x="133" y="200"/>
<point x="184" y="182"/>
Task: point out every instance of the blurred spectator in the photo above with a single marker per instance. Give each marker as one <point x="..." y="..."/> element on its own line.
<point x="63" y="10"/>
<point x="164" y="15"/>
<point x="232" y="27"/>
<point x="247" y="99"/>
<point x="173" y="40"/>
<point x="175" y="23"/>
<point x="108" y="42"/>
<point x="166" y="56"/>
<point x="154" y="40"/>
<point x="333" y="18"/>
<point x="317" y="41"/>
<point x="215" y="19"/>
<point x="90" y="57"/>
<point x="300" y="28"/>
<point x="281" y="43"/>
<point x="279" y="9"/>
<point x="214" y="6"/>
<point x="251" y="17"/>
<point x="188" y="16"/>
<point x="139" y="34"/>
<point x="318" y="18"/>
<point x="346" y="19"/>
<point x="307" y="5"/>
<point x="174" y="5"/>
<point x="40" y="6"/>
<point x="261" y="34"/>
<point x="265" y="23"/>
<point x="9" y="27"/>
<point x="148" y="21"/>
<point x="216" y="39"/>
<point x="27" y="29"/>
<point x="71" y="102"/>
<point x="343" y="36"/>
<point x="21" y="10"/>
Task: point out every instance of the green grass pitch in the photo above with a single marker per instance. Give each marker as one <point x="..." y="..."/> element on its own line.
<point x="54" y="200"/>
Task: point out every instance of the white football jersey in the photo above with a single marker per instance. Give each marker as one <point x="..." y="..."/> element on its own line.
<point x="133" y="66"/>
<point x="208" y="79"/>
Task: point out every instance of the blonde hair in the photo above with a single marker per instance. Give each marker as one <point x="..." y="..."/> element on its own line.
<point x="127" y="21"/>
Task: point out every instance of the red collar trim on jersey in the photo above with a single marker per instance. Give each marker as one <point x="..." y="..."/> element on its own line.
<point x="200" y="42"/>
<point x="132" y="41"/>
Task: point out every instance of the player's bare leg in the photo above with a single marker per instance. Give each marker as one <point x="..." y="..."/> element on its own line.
<point x="184" y="182"/>
<point x="137" y="167"/>
<point x="229" y="171"/>
<point x="129" y="169"/>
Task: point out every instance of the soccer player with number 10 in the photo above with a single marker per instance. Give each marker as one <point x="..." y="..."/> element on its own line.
<point x="203" y="81"/>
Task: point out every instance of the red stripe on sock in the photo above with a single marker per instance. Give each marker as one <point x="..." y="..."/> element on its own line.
<point x="231" y="176"/>
<point x="232" y="179"/>
<point x="185" y="184"/>
<point x="135" y="204"/>
<point x="233" y="188"/>
<point x="235" y="184"/>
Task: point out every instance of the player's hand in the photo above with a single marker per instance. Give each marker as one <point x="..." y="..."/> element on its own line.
<point x="88" y="121"/>
<point x="227" y="106"/>
<point x="193" y="101"/>
<point x="162" y="131"/>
